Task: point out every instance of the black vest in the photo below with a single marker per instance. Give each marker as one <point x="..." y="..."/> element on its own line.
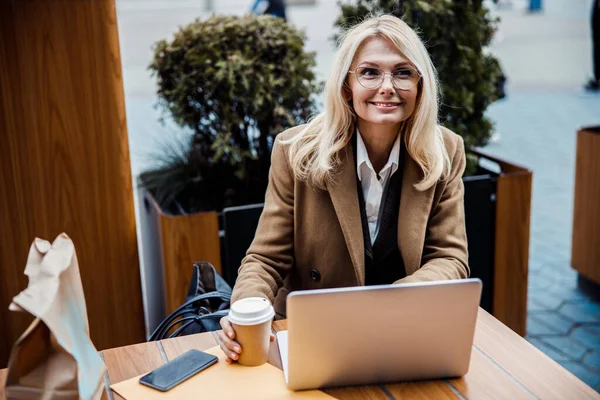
<point x="383" y="261"/>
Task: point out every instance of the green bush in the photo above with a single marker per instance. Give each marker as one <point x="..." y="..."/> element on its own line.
<point x="235" y="82"/>
<point x="456" y="33"/>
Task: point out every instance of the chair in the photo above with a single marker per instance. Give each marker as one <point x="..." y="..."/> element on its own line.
<point x="239" y="226"/>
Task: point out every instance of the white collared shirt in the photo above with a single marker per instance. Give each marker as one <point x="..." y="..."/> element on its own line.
<point x="374" y="186"/>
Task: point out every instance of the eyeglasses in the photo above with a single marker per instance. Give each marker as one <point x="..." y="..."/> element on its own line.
<point x="372" y="78"/>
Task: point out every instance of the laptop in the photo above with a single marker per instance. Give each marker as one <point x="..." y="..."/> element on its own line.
<point x="379" y="334"/>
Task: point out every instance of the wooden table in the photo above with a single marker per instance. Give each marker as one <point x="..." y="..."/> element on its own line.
<point x="503" y="366"/>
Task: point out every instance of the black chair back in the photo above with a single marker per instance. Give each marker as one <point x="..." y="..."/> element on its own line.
<point x="239" y="225"/>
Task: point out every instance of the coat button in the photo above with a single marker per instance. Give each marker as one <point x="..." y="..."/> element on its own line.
<point x="315" y="275"/>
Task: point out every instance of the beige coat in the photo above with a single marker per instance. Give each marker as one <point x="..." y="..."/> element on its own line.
<point x="306" y="233"/>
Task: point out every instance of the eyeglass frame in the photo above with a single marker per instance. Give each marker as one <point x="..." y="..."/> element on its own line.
<point x="384" y="76"/>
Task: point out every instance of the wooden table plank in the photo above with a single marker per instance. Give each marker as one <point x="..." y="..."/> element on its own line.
<point x="422" y="390"/>
<point x="357" y="392"/>
<point x="541" y="375"/>
<point x="280" y="325"/>
<point x="486" y="381"/>
<point x="126" y="362"/>
<point x="177" y="346"/>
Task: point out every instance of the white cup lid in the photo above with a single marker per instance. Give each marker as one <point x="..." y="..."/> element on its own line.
<point x="251" y="311"/>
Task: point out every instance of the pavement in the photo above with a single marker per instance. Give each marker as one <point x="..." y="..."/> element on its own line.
<point x="538" y="130"/>
<point x="546" y="57"/>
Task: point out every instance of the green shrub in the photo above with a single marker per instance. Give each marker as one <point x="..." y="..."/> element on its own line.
<point x="235" y="82"/>
<point x="456" y="33"/>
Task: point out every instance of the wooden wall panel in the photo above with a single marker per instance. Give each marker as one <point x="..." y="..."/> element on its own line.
<point x="64" y="159"/>
<point x="585" y="249"/>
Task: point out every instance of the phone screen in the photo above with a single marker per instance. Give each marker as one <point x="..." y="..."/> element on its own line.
<point x="178" y="370"/>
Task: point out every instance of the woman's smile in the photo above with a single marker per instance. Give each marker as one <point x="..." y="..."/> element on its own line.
<point x="386" y="105"/>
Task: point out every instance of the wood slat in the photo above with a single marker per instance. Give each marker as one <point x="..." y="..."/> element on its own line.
<point x="64" y="160"/>
<point x="511" y="264"/>
<point x="126" y="362"/>
<point x="511" y="247"/>
<point x="280" y="325"/>
<point x="177" y="346"/>
<point x="541" y="375"/>
<point x="485" y="380"/>
<point x="185" y="240"/>
<point x="358" y="392"/>
<point x="422" y="390"/>
<point x="585" y="252"/>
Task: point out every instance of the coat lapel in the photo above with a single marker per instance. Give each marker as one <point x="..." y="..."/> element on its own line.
<point x="413" y="215"/>
<point x="344" y="196"/>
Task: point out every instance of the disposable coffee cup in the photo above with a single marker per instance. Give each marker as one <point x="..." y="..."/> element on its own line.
<point x="251" y="319"/>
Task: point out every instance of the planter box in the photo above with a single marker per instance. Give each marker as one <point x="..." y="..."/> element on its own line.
<point x="171" y="244"/>
<point x="585" y="249"/>
<point x="508" y="277"/>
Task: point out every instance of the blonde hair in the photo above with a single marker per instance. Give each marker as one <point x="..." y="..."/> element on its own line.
<point x="314" y="153"/>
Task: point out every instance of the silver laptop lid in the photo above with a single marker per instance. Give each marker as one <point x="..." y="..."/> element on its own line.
<point x="377" y="334"/>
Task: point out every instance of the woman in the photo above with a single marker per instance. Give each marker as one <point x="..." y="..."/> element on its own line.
<point x="370" y="191"/>
<point x="273" y="7"/>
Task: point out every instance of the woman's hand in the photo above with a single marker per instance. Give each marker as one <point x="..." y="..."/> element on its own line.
<point x="229" y="345"/>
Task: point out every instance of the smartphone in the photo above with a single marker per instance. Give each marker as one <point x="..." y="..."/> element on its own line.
<point x="174" y="372"/>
